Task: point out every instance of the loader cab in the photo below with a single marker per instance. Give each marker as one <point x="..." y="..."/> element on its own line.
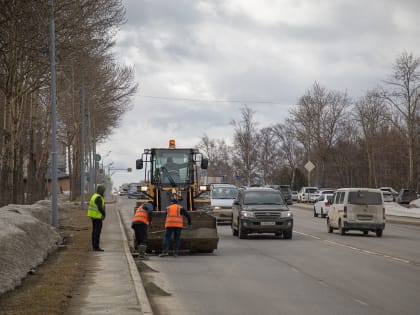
<point x="170" y="166"/>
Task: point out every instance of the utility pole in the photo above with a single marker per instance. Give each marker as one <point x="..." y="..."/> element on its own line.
<point x="91" y="160"/>
<point x="82" y="164"/>
<point x="54" y="181"/>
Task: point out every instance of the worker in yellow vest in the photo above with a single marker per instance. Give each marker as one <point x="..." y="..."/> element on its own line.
<point x="140" y="222"/>
<point x="96" y="212"/>
<point x="174" y="225"/>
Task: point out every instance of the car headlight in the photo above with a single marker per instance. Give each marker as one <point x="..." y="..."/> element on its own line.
<point x="216" y="208"/>
<point x="247" y="214"/>
<point x="288" y="214"/>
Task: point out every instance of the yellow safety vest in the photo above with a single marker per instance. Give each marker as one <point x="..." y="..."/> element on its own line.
<point x="93" y="210"/>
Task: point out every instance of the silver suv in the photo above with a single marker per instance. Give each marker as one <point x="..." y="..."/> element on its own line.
<point x="261" y="210"/>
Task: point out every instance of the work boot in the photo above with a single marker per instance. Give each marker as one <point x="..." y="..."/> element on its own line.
<point x="142" y="250"/>
<point x="163" y="253"/>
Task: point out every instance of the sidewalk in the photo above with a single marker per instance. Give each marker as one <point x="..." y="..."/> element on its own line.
<point x="112" y="284"/>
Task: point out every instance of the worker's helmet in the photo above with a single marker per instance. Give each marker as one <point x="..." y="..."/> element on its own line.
<point x="148" y="207"/>
<point x="174" y="200"/>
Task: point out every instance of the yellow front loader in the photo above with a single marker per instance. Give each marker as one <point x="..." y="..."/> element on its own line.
<point x="174" y="173"/>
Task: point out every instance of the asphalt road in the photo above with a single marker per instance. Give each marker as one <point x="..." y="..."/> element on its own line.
<point x="314" y="273"/>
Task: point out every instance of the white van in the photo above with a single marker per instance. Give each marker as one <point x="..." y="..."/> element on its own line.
<point x="357" y="209"/>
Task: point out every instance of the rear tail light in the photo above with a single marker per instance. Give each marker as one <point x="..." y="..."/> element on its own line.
<point x="383" y="213"/>
<point x="327" y="203"/>
<point x="345" y="212"/>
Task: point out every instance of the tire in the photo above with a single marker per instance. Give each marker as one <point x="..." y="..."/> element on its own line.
<point x="241" y="233"/>
<point x="322" y="213"/>
<point x="329" y="227"/>
<point x="287" y="235"/>
<point x="341" y="230"/>
<point x="315" y="214"/>
<point x="234" y="232"/>
<point x="365" y="232"/>
<point x="379" y="233"/>
<point x="278" y="235"/>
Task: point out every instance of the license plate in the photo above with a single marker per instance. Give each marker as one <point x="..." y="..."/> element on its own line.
<point x="268" y="223"/>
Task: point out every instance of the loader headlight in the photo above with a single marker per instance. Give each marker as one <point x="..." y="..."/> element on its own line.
<point x="247" y="214"/>
<point x="143" y="188"/>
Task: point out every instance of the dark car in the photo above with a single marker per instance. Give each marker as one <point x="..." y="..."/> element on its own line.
<point x="261" y="210"/>
<point x="406" y="196"/>
<point x="134" y="191"/>
<point x="287" y="193"/>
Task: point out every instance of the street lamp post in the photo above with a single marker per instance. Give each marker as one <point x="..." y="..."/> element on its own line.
<point x="54" y="180"/>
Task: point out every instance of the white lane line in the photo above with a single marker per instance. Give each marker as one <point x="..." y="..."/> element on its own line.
<point x="309" y="235"/>
<point x="361" y="302"/>
<point x="368" y="252"/>
<point x="401" y="260"/>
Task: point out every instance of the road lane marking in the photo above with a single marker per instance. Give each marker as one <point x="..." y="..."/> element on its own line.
<point x="361" y="302"/>
<point x="365" y="251"/>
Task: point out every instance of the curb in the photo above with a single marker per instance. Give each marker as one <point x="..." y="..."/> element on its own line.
<point x="135" y="275"/>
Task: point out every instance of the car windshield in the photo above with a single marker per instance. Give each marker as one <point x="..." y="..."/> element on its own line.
<point x="224" y="193"/>
<point x="263" y="198"/>
<point x="365" y="198"/>
<point x="311" y="190"/>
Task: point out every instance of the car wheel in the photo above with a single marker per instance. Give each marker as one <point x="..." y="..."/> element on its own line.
<point x="287" y="235"/>
<point x="365" y="232"/>
<point x="379" y="233"/>
<point x="241" y="233"/>
<point x="341" y="230"/>
<point x="315" y="214"/>
<point x="322" y="213"/>
<point x="329" y="227"/>
<point x="278" y="235"/>
<point x="234" y="231"/>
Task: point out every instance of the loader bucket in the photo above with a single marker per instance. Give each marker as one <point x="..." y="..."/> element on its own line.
<point x="202" y="238"/>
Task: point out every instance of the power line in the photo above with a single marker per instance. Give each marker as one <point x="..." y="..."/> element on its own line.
<point x="213" y="101"/>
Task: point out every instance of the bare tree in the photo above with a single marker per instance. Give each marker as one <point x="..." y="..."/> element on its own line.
<point x="245" y="145"/>
<point x="371" y="114"/>
<point x="317" y="123"/>
<point x="403" y="97"/>
<point x="220" y="159"/>
<point x="268" y="155"/>
<point x="291" y="151"/>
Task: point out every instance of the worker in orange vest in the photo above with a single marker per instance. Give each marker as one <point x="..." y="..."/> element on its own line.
<point x="141" y="220"/>
<point x="174" y="225"/>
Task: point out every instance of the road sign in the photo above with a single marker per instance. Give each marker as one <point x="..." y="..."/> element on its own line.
<point x="309" y="166"/>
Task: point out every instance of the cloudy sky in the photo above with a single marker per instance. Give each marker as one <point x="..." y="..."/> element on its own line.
<point x="198" y="62"/>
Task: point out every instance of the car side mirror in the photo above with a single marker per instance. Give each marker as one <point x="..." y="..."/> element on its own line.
<point x="139" y="164"/>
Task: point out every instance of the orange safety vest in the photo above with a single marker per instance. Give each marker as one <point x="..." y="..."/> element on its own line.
<point x="173" y="216"/>
<point x="141" y="215"/>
